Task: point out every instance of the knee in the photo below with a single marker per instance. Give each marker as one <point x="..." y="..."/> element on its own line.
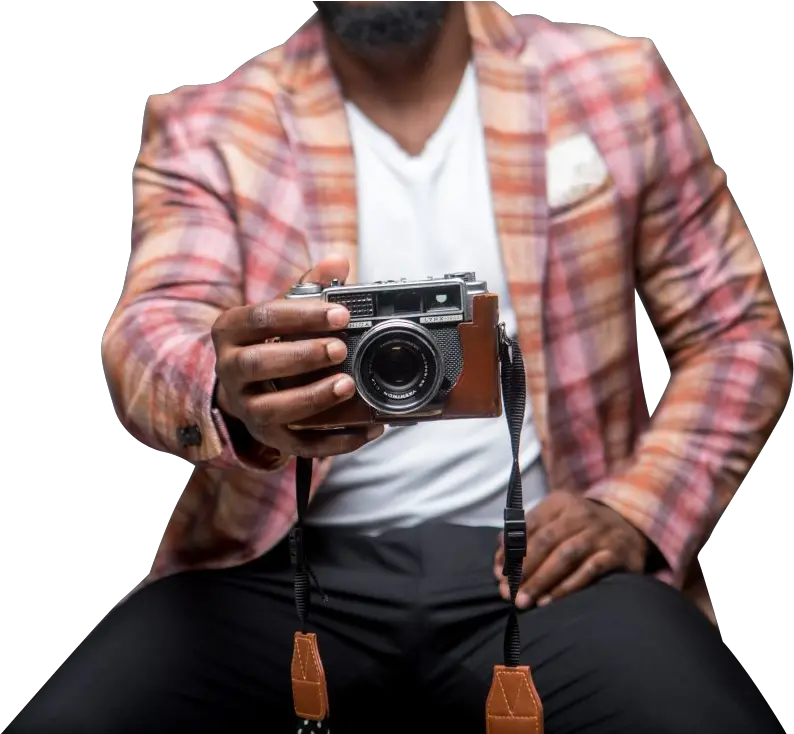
<point x="758" y="722"/>
<point x="35" y="720"/>
<point x="696" y="716"/>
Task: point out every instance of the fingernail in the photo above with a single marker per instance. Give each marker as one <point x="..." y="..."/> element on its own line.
<point x="374" y="432"/>
<point x="544" y="601"/>
<point x="344" y="387"/>
<point x="337" y="316"/>
<point x="336" y="350"/>
<point x="523" y="600"/>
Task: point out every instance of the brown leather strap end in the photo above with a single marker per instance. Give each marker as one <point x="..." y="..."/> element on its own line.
<point x="309" y="690"/>
<point x="513" y="703"/>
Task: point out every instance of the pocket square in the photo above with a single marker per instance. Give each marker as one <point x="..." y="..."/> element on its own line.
<point x="574" y="168"/>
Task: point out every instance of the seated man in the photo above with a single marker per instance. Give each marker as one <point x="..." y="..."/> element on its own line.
<point x="387" y="140"/>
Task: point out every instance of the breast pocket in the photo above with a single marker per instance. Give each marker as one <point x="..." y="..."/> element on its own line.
<point x="584" y="208"/>
<point x="576" y="175"/>
<point x="588" y="275"/>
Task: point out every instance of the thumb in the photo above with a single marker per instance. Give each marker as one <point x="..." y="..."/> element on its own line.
<point x="499" y="558"/>
<point x="329" y="268"/>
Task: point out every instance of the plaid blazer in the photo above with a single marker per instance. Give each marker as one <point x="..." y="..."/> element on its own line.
<point x="241" y="185"/>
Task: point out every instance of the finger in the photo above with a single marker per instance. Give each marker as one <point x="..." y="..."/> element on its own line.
<point x="261" y="362"/>
<point x="597" y="565"/>
<point x="313" y="444"/>
<point x="545" y="531"/>
<point x="499" y="555"/>
<point x="264" y="412"/>
<point x="558" y="565"/>
<point x="499" y="563"/>
<point x="542" y="543"/>
<point x="540" y="516"/>
<point x="248" y="325"/>
<point x="333" y="267"/>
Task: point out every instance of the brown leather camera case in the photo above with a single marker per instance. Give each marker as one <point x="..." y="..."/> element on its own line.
<point x="477" y="393"/>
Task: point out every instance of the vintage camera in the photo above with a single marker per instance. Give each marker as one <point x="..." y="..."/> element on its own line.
<point x="416" y="350"/>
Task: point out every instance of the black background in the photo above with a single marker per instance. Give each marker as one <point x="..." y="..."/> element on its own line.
<point x="108" y="496"/>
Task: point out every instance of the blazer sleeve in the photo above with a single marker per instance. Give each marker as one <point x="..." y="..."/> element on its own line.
<point x="185" y="269"/>
<point x="703" y="284"/>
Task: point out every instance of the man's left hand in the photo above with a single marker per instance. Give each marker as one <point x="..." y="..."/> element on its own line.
<point x="571" y="542"/>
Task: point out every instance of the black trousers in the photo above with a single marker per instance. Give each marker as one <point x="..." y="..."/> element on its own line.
<point x="409" y="637"/>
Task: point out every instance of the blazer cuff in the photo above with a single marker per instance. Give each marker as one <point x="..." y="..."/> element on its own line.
<point x="202" y="432"/>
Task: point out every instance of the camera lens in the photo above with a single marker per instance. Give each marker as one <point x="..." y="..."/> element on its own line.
<point x="398" y="367"/>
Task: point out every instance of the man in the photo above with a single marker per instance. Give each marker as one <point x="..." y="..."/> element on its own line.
<point x="560" y="163"/>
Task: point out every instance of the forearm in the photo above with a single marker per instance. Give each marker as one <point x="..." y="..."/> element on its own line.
<point x="711" y="424"/>
<point x="706" y="292"/>
<point x="185" y="269"/>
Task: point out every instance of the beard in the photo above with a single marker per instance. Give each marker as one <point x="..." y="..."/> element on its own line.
<point x="367" y="28"/>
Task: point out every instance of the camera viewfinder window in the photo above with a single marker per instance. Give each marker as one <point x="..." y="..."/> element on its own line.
<point x="407" y="302"/>
<point x="442" y="298"/>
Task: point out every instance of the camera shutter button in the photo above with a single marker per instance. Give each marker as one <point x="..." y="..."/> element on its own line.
<point x="465" y="275"/>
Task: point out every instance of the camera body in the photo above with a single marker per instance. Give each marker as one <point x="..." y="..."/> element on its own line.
<point x="416" y="350"/>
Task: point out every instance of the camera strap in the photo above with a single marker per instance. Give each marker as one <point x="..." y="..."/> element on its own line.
<point x="513" y="703"/>
<point x="308" y="678"/>
<point x="514" y="397"/>
<point x="309" y="688"/>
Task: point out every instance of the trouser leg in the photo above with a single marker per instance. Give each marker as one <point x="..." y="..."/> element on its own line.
<point x="210" y="651"/>
<point x="628" y="655"/>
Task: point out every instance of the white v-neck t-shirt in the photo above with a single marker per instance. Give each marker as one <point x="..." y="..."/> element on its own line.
<point x="417" y="216"/>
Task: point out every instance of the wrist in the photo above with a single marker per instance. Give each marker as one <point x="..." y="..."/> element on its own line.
<point x="245" y="446"/>
<point x="642" y="548"/>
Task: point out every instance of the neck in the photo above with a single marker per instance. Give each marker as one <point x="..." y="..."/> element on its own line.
<point x="397" y="81"/>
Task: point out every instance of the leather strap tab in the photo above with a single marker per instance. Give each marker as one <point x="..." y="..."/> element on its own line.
<point x="513" y="703"/>
<point x="309" y="690"/>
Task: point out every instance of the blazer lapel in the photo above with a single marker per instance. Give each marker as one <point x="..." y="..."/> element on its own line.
<point x="514" y="118"/>
<point x="313" y="115"/>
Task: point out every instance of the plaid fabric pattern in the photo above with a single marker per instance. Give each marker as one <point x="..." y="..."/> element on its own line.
<point x="241" y="185"/>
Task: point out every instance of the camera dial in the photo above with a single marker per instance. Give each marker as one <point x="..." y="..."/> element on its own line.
<point x="306" y="289"/>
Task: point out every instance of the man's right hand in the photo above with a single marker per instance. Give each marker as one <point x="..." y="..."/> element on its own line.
<point x="247" y="363"/>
